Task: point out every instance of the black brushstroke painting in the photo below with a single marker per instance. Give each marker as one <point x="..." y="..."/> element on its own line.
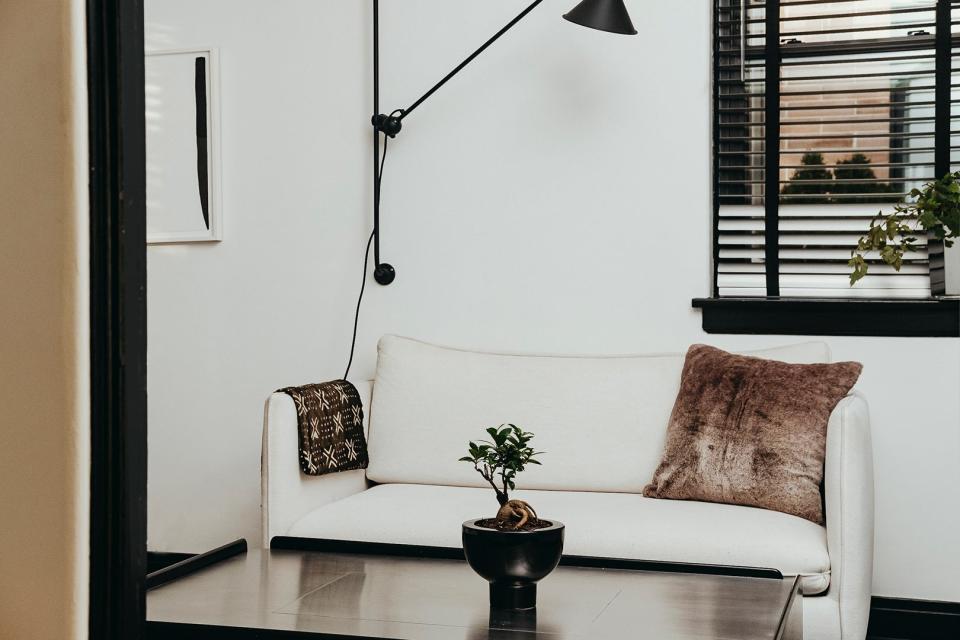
<point x="200" y="80"/>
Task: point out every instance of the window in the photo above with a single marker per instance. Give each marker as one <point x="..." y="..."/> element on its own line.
<point x="826" y="112"/>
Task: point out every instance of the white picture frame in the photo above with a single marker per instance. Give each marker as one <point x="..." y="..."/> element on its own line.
<point x="174" y="104"/>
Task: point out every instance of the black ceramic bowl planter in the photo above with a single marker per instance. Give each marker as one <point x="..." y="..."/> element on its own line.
<point x="512" y="561"/>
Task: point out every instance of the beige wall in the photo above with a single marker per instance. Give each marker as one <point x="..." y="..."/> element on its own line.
<point x="44" y="459"/>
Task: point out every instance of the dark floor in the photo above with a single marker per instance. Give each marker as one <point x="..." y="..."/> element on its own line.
<point x="900" y="619"/>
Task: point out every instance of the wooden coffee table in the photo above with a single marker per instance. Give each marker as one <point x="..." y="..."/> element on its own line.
<point x="293" y="594"/>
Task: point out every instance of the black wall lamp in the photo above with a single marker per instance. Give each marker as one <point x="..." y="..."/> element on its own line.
<point x="604" y="15"/>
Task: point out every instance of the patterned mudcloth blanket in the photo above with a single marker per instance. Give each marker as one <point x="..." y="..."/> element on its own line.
<point x="330" y="422"/>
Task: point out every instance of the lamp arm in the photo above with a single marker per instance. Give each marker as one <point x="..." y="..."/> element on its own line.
<point x="391" y="124"/>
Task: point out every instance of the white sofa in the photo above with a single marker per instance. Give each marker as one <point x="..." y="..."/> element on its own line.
<point x="602" y="423"/>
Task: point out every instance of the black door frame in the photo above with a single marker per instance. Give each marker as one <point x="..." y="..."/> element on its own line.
<point x="118" y="319"/>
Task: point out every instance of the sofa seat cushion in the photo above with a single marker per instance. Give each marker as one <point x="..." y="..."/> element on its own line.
<point x="613" y="525"/>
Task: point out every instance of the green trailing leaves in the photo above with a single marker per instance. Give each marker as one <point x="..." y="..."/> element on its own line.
<point x="933" y="210"/>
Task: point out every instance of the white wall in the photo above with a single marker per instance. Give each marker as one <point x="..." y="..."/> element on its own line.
<point x="44" y="365"/>
<point x="555" y="197"/>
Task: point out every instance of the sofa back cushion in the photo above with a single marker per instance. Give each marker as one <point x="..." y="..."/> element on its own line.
<point x="601" y="421"/>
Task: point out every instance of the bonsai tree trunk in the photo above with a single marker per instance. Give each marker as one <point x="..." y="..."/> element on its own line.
<point x="514" y="514"/>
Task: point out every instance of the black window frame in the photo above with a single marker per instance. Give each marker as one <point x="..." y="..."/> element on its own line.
<point x="938" y="316"/>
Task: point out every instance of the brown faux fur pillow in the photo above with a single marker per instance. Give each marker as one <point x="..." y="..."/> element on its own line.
<point x="751" y="432"/>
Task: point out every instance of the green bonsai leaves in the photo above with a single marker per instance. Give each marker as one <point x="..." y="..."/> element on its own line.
<point x="500" y="459"/>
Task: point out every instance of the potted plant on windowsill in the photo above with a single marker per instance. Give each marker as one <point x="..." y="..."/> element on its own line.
<point x="515" y="549"/>
<point x="933" y="210"/>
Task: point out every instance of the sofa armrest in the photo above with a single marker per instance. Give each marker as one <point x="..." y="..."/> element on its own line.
<point x="286" y="494"/>
<point x="848" y="494"/>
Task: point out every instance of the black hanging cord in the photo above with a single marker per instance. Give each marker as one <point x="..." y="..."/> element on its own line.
<point x="356" y="317"/>
<point x="366" y="265"/>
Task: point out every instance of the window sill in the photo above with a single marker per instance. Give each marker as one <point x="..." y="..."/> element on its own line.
<point x="938" y="317"/>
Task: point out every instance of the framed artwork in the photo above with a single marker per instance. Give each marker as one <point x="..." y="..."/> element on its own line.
<point x="183" y="146"/>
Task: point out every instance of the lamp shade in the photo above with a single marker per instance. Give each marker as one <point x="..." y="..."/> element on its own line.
<point x="605" y="15"/>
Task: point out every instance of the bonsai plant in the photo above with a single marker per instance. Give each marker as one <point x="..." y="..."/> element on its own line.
<point x="515" y="549"/>
<point x="935" y="210"/>
<point x="499" y="460"/>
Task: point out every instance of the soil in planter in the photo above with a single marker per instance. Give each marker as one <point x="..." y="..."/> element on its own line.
<point x="533" y="525"/>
